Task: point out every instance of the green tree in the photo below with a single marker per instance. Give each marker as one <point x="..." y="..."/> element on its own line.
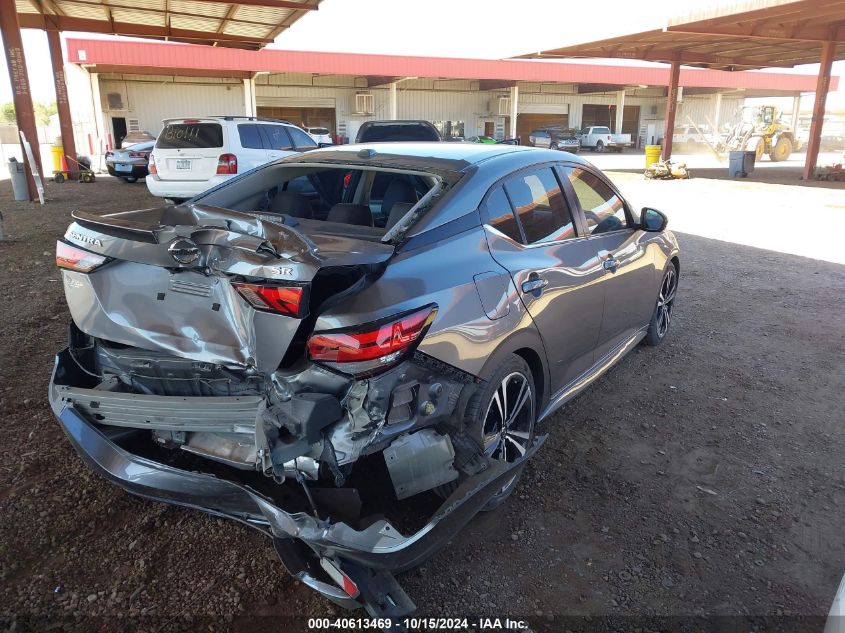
<point x="43" y="111"/>
<point x="7" y="112"/>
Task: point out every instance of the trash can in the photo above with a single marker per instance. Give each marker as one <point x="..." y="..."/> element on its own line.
<point x="652" y="155"/>
<point x="59" y="163"/>
<point x="741" y="163"/>
<point x="18" y="176"/>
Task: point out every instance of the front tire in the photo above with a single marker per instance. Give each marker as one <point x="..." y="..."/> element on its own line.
<point x="782" y="150"/>
<point x="500" y="420"/>
<point x="658" y="328"/>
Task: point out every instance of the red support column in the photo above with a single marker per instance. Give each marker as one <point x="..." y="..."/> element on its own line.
<point x="671" y="109"/>
<point x="822" y="86"/>
<point x="62" y="104"/>
<point x="11" y="32"/>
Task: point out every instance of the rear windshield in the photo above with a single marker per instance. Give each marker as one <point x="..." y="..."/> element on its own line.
<point x="382" y="133"/>
<point x="365" y="203"/>
<point x="601" y="130"/>
<point x="318" y="130"/>
<point x="190" y="136"/>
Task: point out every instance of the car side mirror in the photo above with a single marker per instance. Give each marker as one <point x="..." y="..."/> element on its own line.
<point x="653" y="220"/>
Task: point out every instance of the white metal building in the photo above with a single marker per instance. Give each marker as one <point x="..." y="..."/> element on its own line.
<point x="117" y="87"/>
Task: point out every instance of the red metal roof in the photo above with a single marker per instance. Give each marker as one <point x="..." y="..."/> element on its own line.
<point x="188" y="59"/>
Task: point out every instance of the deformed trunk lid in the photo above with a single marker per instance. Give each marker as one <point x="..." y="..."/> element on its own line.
<point x="146" y="298"/>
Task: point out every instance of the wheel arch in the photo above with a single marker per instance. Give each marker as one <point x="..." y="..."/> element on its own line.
<point x="535" y="364"/>
<point x="528" y="345"/>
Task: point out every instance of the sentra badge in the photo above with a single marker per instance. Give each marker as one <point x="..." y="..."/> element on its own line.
<point x="86" y="239"/>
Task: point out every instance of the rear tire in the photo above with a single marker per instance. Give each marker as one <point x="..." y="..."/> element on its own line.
<point x="658" y="328"/>
<point x="600" y="147"/>
<point x="507" y="436"/>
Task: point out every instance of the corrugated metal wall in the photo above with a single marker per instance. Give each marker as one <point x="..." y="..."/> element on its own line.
<point x="150" y="101"/>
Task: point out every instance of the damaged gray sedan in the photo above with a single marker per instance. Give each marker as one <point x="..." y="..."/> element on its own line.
<point x="351" y="349"/>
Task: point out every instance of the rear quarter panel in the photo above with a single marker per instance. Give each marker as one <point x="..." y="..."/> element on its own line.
<point x="462" y="334"/>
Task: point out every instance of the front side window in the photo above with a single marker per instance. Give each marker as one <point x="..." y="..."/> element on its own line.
<point x="301" y="139"/>
<point x="276" y="137"/>
<point x="539" y="204"/>
<point x="604" y="210"/>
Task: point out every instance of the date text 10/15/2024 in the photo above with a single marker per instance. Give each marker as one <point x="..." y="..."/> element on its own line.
<point x="418" y="624"/>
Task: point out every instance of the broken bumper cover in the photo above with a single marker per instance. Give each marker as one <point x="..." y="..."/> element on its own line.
<point x="380" y="546"/>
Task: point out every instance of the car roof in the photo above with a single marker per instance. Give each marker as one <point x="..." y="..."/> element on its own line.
<point x="214" y="118"/>
<point x="428" y="156"/>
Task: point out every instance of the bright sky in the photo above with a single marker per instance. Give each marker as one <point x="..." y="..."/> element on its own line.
<point x="490" y="29"/>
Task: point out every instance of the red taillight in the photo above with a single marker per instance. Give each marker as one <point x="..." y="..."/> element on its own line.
<point x="109" y="153"/>
<point x="369" y="349"/>
<point x="138" y="154"/>
<point x="151" y="166"/>
<point x="608" y="137"/>
<point x="346" y="178"/>
<point x="227" y="164"/>
<point x="73" y="258"/>
<point x="286" y="300"/>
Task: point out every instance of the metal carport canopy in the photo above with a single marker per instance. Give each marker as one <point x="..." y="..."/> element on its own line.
<point x="244" y="24"/>
<point x="744" y="36"/>
<point x="249" y="24"/>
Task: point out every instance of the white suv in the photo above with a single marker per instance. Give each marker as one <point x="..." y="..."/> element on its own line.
<point x="319" y="134"/>
<point x="194" y="155"/>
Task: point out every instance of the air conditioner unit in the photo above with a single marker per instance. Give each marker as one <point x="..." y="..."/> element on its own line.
<point x="504" y="106"/>
<point x="133" y="125"/>
<point x="364" y="103"/>
<point x="115" y="101"/>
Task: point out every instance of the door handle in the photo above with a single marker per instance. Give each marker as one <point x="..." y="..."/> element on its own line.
<point x="610" y="264"/>
<point x="534" y="284"/>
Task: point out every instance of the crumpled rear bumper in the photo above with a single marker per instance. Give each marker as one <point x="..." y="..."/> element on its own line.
<point x="380" y="546"/>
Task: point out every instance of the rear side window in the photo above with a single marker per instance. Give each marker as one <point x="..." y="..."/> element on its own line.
<point x="538" y="201"/>
<point x="190" y="136"/>
<point x="275" y="137"/>
<point x="301" y="139"/>
<point x="501" y="215"/>
<point x="603" y="209"/>
<point x="250" y="137"/>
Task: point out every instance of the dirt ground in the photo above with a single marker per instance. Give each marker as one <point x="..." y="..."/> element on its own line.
<point x="701" y="478"/>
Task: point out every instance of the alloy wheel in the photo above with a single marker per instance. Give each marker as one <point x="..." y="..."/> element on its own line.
<point x="666" y="301"/>
<point x="509" y="419"/>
